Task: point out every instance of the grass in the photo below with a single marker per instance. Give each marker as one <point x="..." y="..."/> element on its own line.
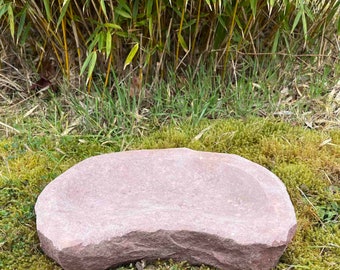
<point x="285" y="120"/>
<point x="294" y="93"/>
<point x="306" y="163"/>
<point x="262" y="82"/>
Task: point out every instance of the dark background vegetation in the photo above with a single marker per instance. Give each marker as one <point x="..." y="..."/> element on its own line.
<point x="62" y="39"/>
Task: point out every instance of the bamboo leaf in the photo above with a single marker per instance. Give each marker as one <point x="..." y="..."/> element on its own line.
<point x="48" y="9"/>
<point x="124" y="4"/>
<point x="89" y="63"/>
<point x="123" y="9"/>
<point x="24" y="35"/>
<point x="221" y="21"/>
<point x="112" y="26"/>
<point x="10" y="19"/>
<point x="101" y="41"/>
<point x="135" y="10"/>
<point x="103" y="7"/>
<point x="3" y="10"/>
<point x="209" y="4"/>
<point x="123" y="13"/>
<point x="94" y="41"/>
<point x="149" y="5"/>
<point x="122" y="34"/>
<point x="131" y="55"/>
<point x="21" y="23"/>
<point x="270" y="6"/>
<point x="92" y="64"/>
<point x="63" y="11"/>
<point x="86" y="63"/>
<point x="253" y="4"/>
<point x="108" y="43"/>
<point x="183" y="43"/>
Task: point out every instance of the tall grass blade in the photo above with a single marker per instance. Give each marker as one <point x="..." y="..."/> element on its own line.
<point x="21" y="25"/>
<point x="179" y="34"/>
<point x="231" y="31"/>
<point x="296" y="21"/>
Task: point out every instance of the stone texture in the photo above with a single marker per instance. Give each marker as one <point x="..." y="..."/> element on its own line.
<point x="206" y="208"/>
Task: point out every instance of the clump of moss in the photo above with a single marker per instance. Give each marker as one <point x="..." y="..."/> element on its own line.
<point x="29" y="164"/>
<point x="307" y="162"/>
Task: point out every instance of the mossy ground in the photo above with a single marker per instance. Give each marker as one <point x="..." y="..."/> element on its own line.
<point x="307" y="161"/>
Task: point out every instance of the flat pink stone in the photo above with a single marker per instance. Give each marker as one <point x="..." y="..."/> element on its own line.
<point x="205" y="208"/>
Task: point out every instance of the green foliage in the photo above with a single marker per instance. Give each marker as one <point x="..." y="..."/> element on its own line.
<point x="329" y="212"/>
<point x="173" y="34"/>
<point x="131" y="55"/>
<point x="305" y="163"/>
<point x="203" y="59"/>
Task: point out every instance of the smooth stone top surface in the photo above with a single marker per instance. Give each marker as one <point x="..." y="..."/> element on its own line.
<point x="112" y="195"/>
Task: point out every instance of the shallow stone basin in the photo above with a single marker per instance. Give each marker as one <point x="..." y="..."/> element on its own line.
<point x="206" y="208"/>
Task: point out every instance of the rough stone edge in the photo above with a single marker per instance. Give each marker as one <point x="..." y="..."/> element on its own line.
<point x="232" y="255"/>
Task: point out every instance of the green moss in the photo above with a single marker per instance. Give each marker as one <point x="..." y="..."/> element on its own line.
<point x="306" y="163"/>
<point x="308" y="167"/>
<point x="29" y="165"/>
